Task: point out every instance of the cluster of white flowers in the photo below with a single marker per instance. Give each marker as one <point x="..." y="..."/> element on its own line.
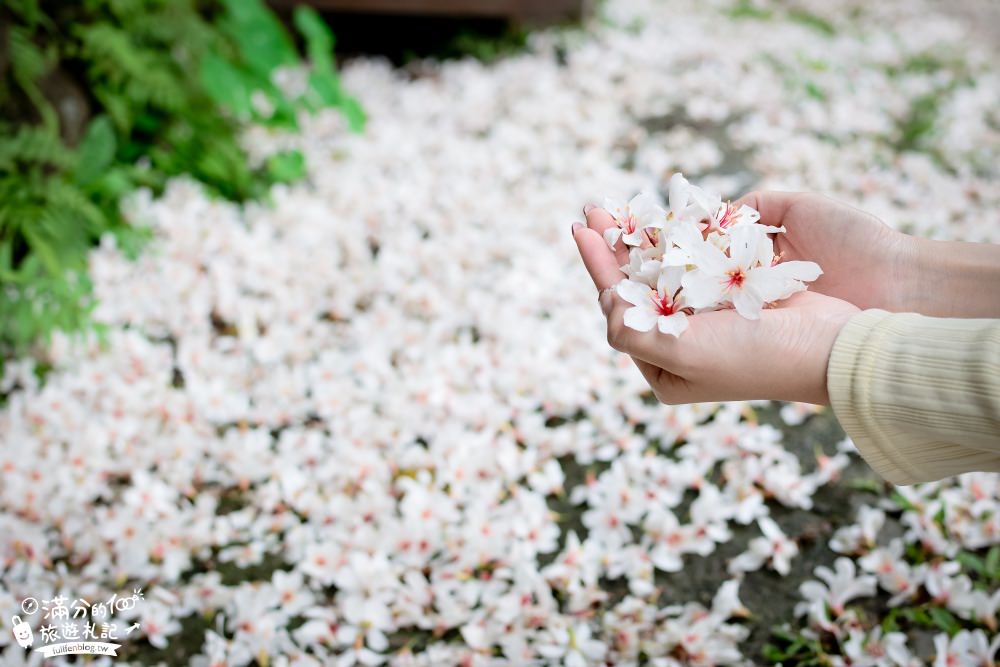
<point x="883" y="565"/>
<point x="704" y="254"/>
<point x="358" y="425"/>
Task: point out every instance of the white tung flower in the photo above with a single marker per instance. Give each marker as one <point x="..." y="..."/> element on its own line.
<point x="740" y="278"/>
<point x="661" y="307"/>
<point x="644" y="265"/>
<point x="774" y="547"/>
<point x="842" y="585"/>
<point x="632" y="220"/>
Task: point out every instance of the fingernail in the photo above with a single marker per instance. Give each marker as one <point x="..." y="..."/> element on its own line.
<point x="588" y="208"/>
<point x="574" y="228"/>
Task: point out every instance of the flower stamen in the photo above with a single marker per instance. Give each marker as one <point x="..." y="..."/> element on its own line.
<point x="662" y="303"/>
<point x="736" y="278"/>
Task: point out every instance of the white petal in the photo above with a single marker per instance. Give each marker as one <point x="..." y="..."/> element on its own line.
<point x="702" y="290"/>
<point x="377" y="641"/>
<point x="635" y="293"/>
<point x="770" y="528"/>
<point x="676" y="257"/>
<point x="611" y="235"/>
<point x="748" y="302"/>
<point x="640" y="318"/>
<point x="805" y="271"/>
<point x="748" y="214"/>
<point x="708" y="203"/>
<point x="685" y="235"/>
<point x="701" y="253"/>
<point x="650" y="271"/>
<point x="617" y="208"/>
<point x="765" y="251"/>
<point x="710" y="259"/>
<point x="635" y="238"/>
<point x="669" y="280"/>
<point x="647" y="210"/>
<point x="747" y="561"/>
<point x="774" y="283"/>
<point x="678" y="195"/>
<point x="674" y="325"/>
<point x="743" y="240"/>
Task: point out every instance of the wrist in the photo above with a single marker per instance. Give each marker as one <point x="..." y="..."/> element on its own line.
<point x="948" y="278"/>
<point x="830" y="326"/>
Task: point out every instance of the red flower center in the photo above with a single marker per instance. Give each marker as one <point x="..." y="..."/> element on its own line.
<point x="662" y="303"/>
<point x="628" y="224"/>
<point x="728" y="216"/>
<point x="736" y="278"/>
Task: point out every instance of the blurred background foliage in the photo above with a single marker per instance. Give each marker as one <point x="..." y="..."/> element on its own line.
<point x="102" y="97"/>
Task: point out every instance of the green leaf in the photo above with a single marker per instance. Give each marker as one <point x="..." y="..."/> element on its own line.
<point x="992" y="564"/>
<point x="227" y="86"/>
<point x="96" y="151"/>
<point x="773" y="654"/>
<point x="354" y="113"/>
<point x="42" y="249"/>
<point x="944" y="620"/>
<point x="971" y="561"/>
<point x="889" y="623"/>
<point x="918" y="616"/>
<point x="262" y="41"/>
<point x="324" y="82"/>
<point x="746" y="9"/>
<point x="286" y="167"/>
<point x="319" y="38"/>
<point x="867" y="485"/>
<point x="814" y="91"/>
<point x="901" y="500"/>
<point x="813" y="21"/>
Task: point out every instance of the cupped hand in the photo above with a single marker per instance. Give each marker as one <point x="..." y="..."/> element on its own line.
<point x="864" y="261"/>
<point x="722" y="356"/>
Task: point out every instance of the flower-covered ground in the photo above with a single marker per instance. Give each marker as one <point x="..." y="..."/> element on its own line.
<point x="376" y="421"/>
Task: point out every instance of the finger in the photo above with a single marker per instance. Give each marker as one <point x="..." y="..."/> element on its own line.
<point x="600" y="220"/>
<point x="597" y="257"/>
<point x="600" y="263"/>
<point x="661" y="350"/>
<point x="667" y="387"/>
<point x="771" y="204"/>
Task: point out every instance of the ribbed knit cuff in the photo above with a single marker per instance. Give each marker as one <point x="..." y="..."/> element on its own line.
<point x="919" y="396"/>
<point x="849" y="379"/>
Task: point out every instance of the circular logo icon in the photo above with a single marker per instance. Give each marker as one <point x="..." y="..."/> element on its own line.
<point x="29" y="606"/>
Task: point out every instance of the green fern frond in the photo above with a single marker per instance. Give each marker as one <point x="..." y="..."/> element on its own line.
<point x="31" y="144"/>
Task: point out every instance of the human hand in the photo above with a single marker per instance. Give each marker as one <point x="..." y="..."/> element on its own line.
<point x="722" y="356"/>
<point x="864" y="261"/>
<point x="871" y="265"/>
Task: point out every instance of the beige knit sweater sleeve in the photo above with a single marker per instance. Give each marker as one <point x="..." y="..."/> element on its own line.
<point x="919" y="396"/>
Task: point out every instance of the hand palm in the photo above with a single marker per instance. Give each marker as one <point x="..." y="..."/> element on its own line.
<point x="724" y="356"/>
<point x="851" y="246"/>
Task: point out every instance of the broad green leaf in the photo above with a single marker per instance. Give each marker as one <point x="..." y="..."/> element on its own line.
<point x="227" y="86"/>
<point x="971" y="561"/>
<point x="319" y="38"/>
<point x="944" y="620"/>
<point x="96" y="151"/>
<point x="262" y="40"/>
<point x="354" y="113"/>
<point x="992" y="565"/>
